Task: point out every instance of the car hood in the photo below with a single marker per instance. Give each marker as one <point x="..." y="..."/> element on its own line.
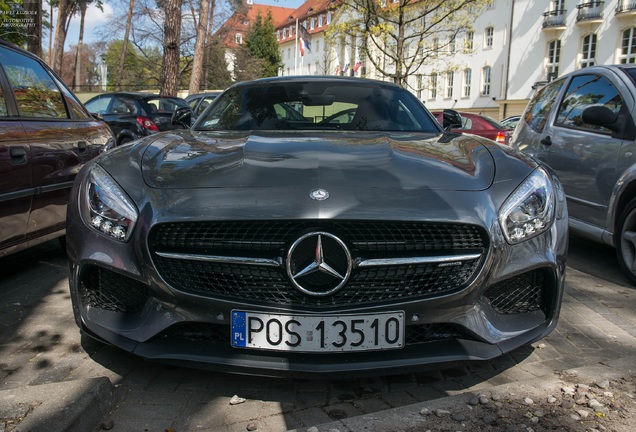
<point x="191" y="159"/>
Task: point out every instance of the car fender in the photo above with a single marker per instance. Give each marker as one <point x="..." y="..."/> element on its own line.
<point x="624" y="191"/>
<point x="127" y="133"/>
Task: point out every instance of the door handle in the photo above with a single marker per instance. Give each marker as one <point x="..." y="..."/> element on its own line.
<point x="18" y="155"/>
<point x="81" y="145"/>
<point x="547" y="141"/>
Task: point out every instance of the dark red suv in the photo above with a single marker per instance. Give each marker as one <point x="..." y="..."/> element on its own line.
<point x="46" y="136"/>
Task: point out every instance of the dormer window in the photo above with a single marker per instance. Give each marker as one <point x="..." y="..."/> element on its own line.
<point x="246" y="22"/>
<point x="329" y="18"/>
<point x="238" y="38"/>
<point x="320" y="21"/>
<point x="313" y="24"/>
<point x="249" y="2"/>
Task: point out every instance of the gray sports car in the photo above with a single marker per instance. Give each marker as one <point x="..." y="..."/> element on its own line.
<point x="277" y="244"/>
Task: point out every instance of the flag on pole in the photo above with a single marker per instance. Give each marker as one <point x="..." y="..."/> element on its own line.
<point x="347" y="62"/>
<point x="303" y="45"/>
<point x="304" y="39"/>
<point x="358" y="63"/>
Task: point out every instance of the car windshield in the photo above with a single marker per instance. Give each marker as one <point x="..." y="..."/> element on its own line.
<point x="165" y="104"/>
<point x="317" y="105"/>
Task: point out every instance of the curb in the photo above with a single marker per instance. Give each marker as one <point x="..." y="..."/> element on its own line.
<point x="70" y="406"/>
<point x="412" y="417"/>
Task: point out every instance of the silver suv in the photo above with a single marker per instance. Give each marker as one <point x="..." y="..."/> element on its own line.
<point x="582" y="126"/>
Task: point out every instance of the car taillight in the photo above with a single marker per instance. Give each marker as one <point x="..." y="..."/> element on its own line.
<point x="501" y="137"/>
<point x="146" y="123"/>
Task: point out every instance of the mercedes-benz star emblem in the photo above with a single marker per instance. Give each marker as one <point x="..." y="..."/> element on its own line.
<point x="319" y="264"/>
<point x="319" y="194"/>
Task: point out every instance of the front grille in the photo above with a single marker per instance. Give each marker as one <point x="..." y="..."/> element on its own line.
<point x="520" y="294"/>
<point x="220" y="333"/>
<point x="271" y="285"/>
<point x="364" y="236"/>
<point x="105" y="289"/>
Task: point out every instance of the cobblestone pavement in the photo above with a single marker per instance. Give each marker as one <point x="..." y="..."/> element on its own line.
<point x="40" y="344"/>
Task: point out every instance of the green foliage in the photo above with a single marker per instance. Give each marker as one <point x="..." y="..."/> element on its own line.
<point x="261" y="44"/>
<point x="141" y="69"/>
<point x="218" y="75"/>
<point x="14" y="22"/>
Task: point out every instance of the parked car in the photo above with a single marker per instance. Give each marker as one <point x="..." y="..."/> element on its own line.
<point x="133" y="115"/>
<point x="472" y="123"/>
<point x="200" y="101"/>
<point x="258" y="244"/>
<point x="46" y="136"/>
<point x="582" y="125"/>
<point x="511" y="122"/>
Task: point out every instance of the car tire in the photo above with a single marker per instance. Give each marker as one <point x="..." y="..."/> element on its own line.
<point x="625" y="241"/>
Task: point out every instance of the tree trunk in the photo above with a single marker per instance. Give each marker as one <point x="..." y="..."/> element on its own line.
<point x="34" y="37"/>
<point x="77" y="77"/>
<point x="63" y="10"/>
<point x="199" y="47"/>
<point x="124" y="47"/>
<point x="171" y="53"/>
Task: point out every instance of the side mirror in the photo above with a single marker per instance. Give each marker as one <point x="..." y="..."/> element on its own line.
<point x="182" y="117"/>
<point x="97" y="116"/>
<point x="599" y="115"/>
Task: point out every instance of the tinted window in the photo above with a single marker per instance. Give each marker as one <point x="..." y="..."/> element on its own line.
<point x="585" y="91"/>
<point x="35" y="91"/>
<point x="539" y="108"/>
<point x="122" y="105"/>
<point x="307" y="105"/>
<point x="165" y="105"/>
<point x="3" y="104"/>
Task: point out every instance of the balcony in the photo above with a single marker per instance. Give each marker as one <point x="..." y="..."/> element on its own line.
<point x="555" y="19"/>
<point x="590" y="12"/>
<point x="626" y="8"/>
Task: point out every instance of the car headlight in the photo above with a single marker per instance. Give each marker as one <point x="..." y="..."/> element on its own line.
<point x="529" y="210"/>
<point x="105" y="207"/>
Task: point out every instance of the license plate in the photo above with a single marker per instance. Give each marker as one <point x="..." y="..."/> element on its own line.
<point x="315" y="333"/>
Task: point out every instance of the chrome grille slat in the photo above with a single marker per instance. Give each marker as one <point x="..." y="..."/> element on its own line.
<point x="400" y="260"/>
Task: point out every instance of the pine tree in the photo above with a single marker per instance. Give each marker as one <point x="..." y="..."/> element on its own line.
<point x="261" y="44"/>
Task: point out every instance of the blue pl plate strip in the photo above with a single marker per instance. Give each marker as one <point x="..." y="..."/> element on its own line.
<point x="239" y="333"/>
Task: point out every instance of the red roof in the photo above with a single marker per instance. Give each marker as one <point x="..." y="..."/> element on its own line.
<point x="306" y="11"/>
<point x="240" y="21"/>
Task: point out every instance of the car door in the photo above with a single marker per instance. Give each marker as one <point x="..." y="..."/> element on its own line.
<point x="16" y="185"/>
<point x="62" y="137"/>
<point x="585" y="156"/>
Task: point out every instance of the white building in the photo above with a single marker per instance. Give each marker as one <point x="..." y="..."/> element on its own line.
<point x="517" y="46"/>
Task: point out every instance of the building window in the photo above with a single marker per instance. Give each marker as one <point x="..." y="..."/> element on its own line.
<point x="418" y="85"/>
<point x="238" y="38"/>
<point x="451" y="45"/>
<point x="317" y="45"/>
<point x="433" y="86"/>
<point x="312" y="25"/>
<point x="588" y="51"/>
<point x="284" y="33"/>
<point x="486" y="76"/>
<point x="450" y="78"/>
<point x="470" y="37"/>
<point x="628" y="47"/>
<point x="468" y="76"/>
<point x="329" y="18"/>
<point x="305" y="25"/>
<point x="554" y="53"/>
<point x="435" y="45"/>
<point x="288" y="53"/>
<point x="320" y="21"/>
<point x="490" y="35"/>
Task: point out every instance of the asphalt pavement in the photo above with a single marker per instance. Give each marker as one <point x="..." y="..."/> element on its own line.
<point x="51" y="379"/>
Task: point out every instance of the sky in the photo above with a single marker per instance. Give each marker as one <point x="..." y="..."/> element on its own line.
<point x="96" y="18"/>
